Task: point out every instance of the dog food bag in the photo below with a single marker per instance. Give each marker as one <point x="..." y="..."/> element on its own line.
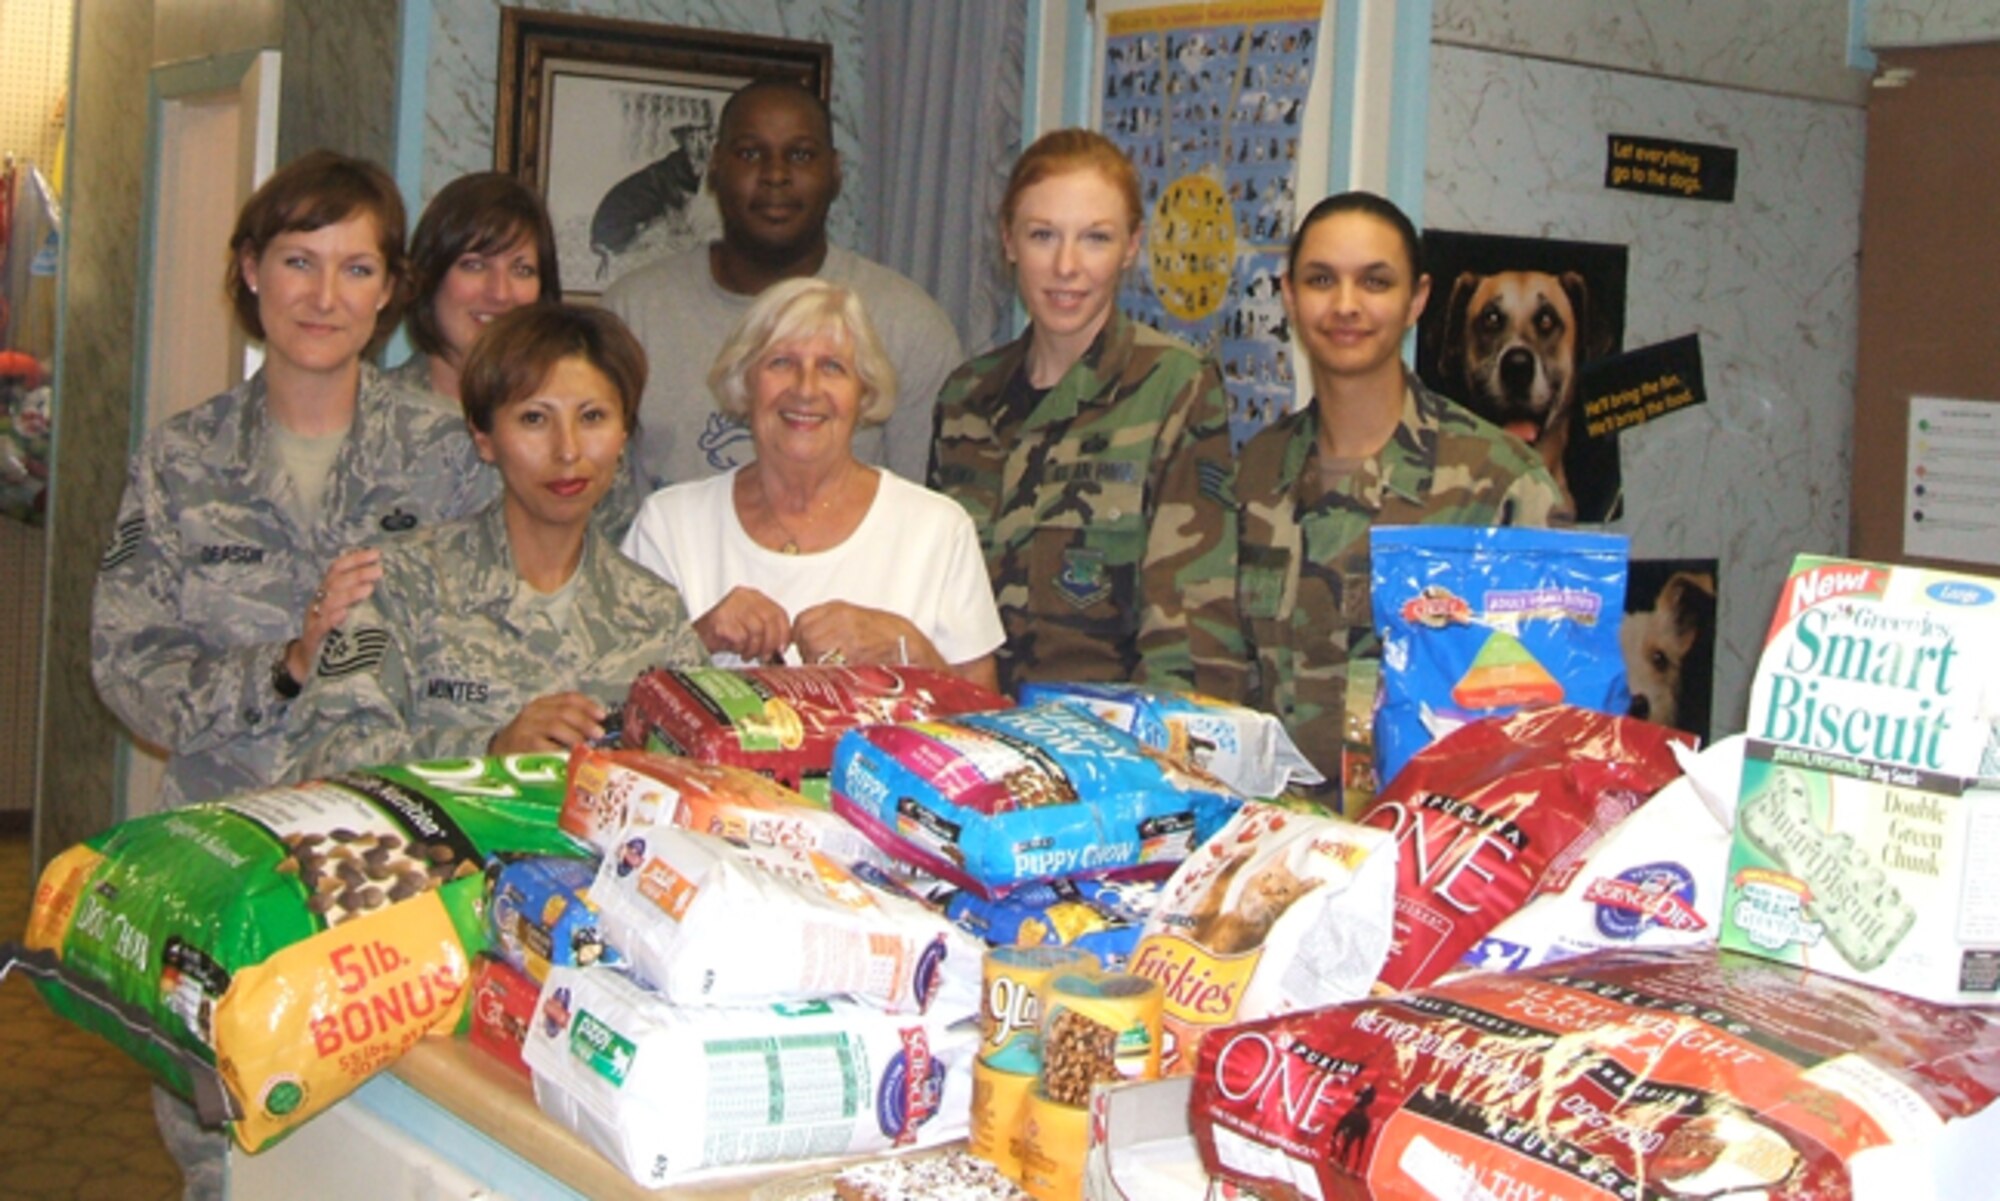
<point x="715" y="922"/>
<point x="1484" y="622"/>
<point x="608" y="788"/>
<point x="1487" y="815"/>
<point x="997" y="800"/>
<point x="784" y="721"/>
<point x="1654" y="881"/>
<point x="540" y="914"/>
<point x="266" y="953"/>
<point x="1672" y="1074"/>
<point x="1103" y="917"/>
<point x="503" y="1003"/>
<point x="1279" y="911"/>
<point x="1245" y="749"/>
<point x="674" y="1094"/>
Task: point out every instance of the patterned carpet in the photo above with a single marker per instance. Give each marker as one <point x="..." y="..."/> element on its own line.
<point x="76" y="1119"/>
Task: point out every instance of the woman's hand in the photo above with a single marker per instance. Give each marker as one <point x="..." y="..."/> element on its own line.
<point x="838" y="632"/>
<point x="348" y="581"/>
<point x="555" y="722"/>
<point x="747" y="624"/>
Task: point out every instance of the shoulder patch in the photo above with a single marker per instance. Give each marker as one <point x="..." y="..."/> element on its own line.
<point x="125" y="542"/>
<point x="343" y="653"/>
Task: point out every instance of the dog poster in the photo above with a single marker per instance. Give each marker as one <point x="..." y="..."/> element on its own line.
<point x="626" y="161"/>
<point x="1668" y="639"/>
<point x="1510" y="325"/>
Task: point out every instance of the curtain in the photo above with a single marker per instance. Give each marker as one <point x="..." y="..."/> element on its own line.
<point x="942" y="98"/>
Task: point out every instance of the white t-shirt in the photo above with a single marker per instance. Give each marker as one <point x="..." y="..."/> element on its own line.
<point x="915" y="554"/>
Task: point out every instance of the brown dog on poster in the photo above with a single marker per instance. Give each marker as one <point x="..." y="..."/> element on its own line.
<point x="1666" y="647"/>
<point x="1511" y="346"/>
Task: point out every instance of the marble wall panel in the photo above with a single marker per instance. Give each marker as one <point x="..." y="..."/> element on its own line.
<point x="337" y="85"/>
<point x="465" y="58"/>
<point x="1932" y="22"/>
<point x="104" y="192"/>
<point x="1792" y="47"/>
<point x="1517" y="146"/>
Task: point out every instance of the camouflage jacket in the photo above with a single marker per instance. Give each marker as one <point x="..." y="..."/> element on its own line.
<point x="1065" y="496"/>
<point x="452" y="645"/>
<point x="207" y="575"/>
<point x="1302" y="582"/>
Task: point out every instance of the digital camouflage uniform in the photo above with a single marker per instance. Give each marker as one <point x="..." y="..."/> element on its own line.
<point x="1302" y="578"/>
<point x="453" y="644"/>
<point x="208" y="576"/>
<point x="1064" y="496"/>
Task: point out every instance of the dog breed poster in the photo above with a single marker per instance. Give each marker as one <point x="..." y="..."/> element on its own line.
<point x="1510" y="324"/>
<point x="1668" y="639"/>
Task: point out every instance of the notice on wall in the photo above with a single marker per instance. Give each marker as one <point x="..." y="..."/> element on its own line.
<point x="1208" y="99"/>
<point x="1660" y="167"/>
<point x="1951" y="499"/>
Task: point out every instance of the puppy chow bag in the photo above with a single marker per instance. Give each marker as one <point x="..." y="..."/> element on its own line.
<point x="268" y="952"/>
<point x="1488" y="815"/>
<point x="784" y="721"/>
<point x="1668" y="1075"/>
<point x="996" y="800"/>
<point x="1242" y="747"/>
<point x="1485" y="622"/>
<point x="674" y="1093"/>
<point x="710" y="921"/>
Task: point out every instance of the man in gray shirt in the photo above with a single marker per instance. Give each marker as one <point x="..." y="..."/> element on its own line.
<point x="775" y="175"/>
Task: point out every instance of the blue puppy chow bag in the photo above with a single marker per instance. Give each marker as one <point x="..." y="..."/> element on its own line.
<point x="1479" y="622"/>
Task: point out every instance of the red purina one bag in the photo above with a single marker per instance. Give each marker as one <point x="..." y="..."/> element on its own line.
<point x="1483" y="816"/>
<point x="1619" y="1076"/>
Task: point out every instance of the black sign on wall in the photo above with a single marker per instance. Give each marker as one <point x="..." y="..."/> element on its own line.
<point x="1659" y="167"/>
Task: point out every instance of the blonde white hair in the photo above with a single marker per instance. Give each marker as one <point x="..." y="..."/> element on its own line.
<point x="793" y="310"/>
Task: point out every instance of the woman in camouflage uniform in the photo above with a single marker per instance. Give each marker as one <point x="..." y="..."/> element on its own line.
<point x="237" y="545"/>
<point x="483" y="247"/>
<point x="519" y="629"/>
<point x="1374" y="447"/>
<point x="1059" y="443"/>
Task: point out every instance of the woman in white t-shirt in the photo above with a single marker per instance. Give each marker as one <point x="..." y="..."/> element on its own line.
<point x="807" y="554"/>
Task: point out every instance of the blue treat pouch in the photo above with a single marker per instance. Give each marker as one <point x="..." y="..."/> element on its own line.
<point x="1481" y="622"/>
<point x="541" y="916"/>
<point x="1103" y="917"/>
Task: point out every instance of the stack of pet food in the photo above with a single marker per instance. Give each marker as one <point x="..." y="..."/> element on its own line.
<point x="784" y="721"/>
<point x="266" y="953"/>
<point x="780" y="999"/>
<point x="1053" y="1028"/>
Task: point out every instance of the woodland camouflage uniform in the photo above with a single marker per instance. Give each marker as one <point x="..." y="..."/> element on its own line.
<point x="1065" y="492"/>
<point x="1306" y="648"/>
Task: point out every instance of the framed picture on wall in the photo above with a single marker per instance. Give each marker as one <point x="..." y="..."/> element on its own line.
<point x="612" y="123"/>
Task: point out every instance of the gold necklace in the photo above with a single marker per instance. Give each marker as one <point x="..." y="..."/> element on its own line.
<point x="791" y="544"/>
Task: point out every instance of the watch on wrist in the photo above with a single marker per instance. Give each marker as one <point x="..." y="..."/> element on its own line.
<point x="282" y="682"/>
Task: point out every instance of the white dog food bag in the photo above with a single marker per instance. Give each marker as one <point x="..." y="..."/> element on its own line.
<point x="710" y="921"/>
<point x="673" y="1094"/>
<point x="1656" y="880"/>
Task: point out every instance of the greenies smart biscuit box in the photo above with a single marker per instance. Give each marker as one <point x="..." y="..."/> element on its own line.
<point x="1867" y="839"/>
<point x="266" y="953"/>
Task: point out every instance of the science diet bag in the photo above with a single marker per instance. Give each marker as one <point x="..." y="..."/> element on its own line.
<point x="1487" y="814"/>
<point x="784" y="721"/>
<point x="995" y="800"/>
<point x="609" y="788"/>
<point x="714" y="922"/>
<point x="1279" y="911"/>
<point x="266" y="953"/>
<point x="1669" y="1075"/>
<point x="674" y="1094"/>
<point x="1245" y="749"/>
<point x="1484" y="622"/>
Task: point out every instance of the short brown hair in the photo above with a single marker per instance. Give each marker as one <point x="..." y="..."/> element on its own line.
<point x="520" y="348"/>
<point x="798" y="308"/>
<point x="1060" y="151"/>
<point x="482" y="213"/>
<point x="319" y="189"/>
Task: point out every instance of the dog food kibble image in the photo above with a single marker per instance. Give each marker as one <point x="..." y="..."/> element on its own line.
<point x="346" y="874"/>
